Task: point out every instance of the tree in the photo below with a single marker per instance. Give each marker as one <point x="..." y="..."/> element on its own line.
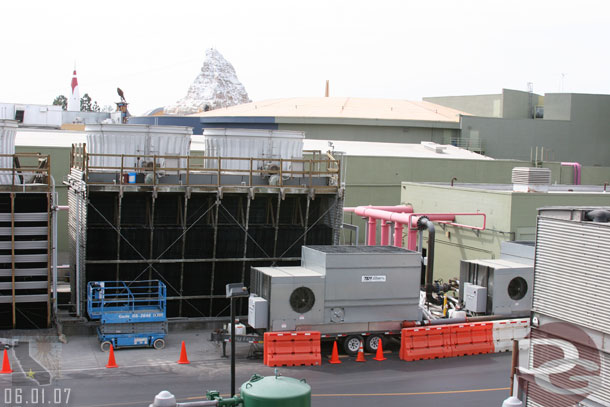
<point x="62" y="101"/>
<point x="85" y="103"/>
<point x="95" y="107"/>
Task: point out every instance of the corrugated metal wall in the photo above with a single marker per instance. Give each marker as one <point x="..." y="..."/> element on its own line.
<point x="573" y="257"/>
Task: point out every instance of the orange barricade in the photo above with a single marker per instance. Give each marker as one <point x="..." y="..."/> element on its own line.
<point x="472" y="339"/>
<point x="425" y="343"/>
<point x="292" y="349"/>
<point x="443" y="341"/>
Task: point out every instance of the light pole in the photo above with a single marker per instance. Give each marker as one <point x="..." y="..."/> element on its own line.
<point x="234" y="290"/>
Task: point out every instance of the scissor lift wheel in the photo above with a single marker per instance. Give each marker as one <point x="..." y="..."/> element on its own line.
<point x="159" y="344"/>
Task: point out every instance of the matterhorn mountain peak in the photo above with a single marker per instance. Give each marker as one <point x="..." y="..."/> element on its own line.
<point x="216" y="86"/>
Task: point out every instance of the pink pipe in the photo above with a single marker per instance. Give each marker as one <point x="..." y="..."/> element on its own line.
<point x="577" y="170"/>
<point x="395" y="208"/>
<point x="372" y="234"/>
<point x="398" y="234"/>
<point x="410" y="219"/>
<point x="385" y="233"/>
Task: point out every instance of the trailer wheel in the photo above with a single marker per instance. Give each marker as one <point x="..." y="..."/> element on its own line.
<point x="351" y="345"/>
<point x="372" y="343"/>
<point x="159" y="344"/>
<point x="105" y="346"/>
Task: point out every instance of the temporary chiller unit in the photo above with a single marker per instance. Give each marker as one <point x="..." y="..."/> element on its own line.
<point x="143" y="208"/>
<point x="572" y="267"/>
<point x="496" y="287"/>
<point x="338" y="289"/>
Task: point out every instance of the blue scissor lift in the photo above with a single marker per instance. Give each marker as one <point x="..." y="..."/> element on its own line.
<point x="131" y="313"/>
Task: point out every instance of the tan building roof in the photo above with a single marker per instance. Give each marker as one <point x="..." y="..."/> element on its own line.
<point x="335" y="107"/>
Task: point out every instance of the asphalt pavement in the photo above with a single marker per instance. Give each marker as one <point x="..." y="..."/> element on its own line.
<point x="79" y="376"/>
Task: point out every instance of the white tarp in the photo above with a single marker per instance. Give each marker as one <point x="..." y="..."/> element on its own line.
<point x="139" y="140"/>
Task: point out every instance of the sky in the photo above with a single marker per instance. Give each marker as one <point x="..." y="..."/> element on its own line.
<point x="399" y="49"/>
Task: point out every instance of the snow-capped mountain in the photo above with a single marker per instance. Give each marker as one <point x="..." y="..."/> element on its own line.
<point x="216" y="86"/>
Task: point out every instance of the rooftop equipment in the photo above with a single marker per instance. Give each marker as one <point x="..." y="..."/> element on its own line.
<point x="270" y="145"/>
<point x="137" y="143"/>
<point x="526" y="179"/>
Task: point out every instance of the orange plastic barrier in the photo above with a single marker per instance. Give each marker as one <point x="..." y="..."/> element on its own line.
<point x="425" y="343"/>
<point x="444" y="341"/>
<point x="292" y="349"/>
<point x="472" y="339"/>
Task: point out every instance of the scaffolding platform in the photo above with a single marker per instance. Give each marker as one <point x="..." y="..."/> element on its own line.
<point x="196" y="223"/>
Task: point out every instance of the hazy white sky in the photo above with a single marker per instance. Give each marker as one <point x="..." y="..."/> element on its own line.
<point x="383" y="48"/>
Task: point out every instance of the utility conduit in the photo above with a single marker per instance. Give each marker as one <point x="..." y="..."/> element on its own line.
<point x="403" y="215"/>
<point x="577" y="170"/>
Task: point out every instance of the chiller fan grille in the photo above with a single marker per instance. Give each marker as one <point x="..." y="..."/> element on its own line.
<point x="302" y="300"/>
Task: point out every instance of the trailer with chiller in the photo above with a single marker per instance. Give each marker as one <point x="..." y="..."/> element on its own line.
<point x="354" y="294"/>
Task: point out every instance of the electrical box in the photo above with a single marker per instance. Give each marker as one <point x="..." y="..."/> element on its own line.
<point x="475" y="297"/>
<point x="258" y="312"/>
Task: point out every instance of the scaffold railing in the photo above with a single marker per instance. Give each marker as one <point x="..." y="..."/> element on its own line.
<point x="24" y="169"/>
<point x="318" y="170"/>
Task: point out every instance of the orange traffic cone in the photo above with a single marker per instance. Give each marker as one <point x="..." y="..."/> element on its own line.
<point x="183" y="359"/>
<point x="111" y="362"/>
<point x="334" y="358"/>
<point x="379" y="355"/>
<point x="360" y="357"/>
<point x="6" y="365"/>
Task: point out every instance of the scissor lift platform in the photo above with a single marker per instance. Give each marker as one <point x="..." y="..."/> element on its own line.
<point x="131" y="313"/>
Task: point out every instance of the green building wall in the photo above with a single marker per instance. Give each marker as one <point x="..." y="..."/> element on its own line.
<point x="510" y="216"/>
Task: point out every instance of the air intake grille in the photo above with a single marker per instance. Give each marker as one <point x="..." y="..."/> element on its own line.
<point x="572" y="269"/>
<point x="529" y="176"/>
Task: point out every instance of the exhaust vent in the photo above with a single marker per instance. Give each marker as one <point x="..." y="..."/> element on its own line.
<point x="526" y="179"/>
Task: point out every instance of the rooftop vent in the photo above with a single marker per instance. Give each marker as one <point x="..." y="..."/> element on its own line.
<point x="437" y="148"/>
<point x="526" y="179"/>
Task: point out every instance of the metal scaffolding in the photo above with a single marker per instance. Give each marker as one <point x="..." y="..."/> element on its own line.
<point x="26" y="211"/>
<point x="196" y="237"/>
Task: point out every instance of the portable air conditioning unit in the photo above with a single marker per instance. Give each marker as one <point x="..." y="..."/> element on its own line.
<point x="509" y="284"/>
<point x="295" y="296"/>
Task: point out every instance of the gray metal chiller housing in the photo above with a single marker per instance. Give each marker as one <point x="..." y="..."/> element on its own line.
<point x="352" y="286"/>
<point x="509" y="284"/>
<point x="572" y="267"/>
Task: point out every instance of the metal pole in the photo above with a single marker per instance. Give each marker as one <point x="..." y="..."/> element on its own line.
<point x="514" y="365"/>
<point x="232" y="347"/>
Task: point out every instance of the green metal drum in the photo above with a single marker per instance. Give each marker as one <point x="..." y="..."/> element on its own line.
<point x="275" y="391"/>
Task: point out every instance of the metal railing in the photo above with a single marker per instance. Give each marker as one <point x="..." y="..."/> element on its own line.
<point x="188" y="170"/>
<point x="21" y="169"/>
